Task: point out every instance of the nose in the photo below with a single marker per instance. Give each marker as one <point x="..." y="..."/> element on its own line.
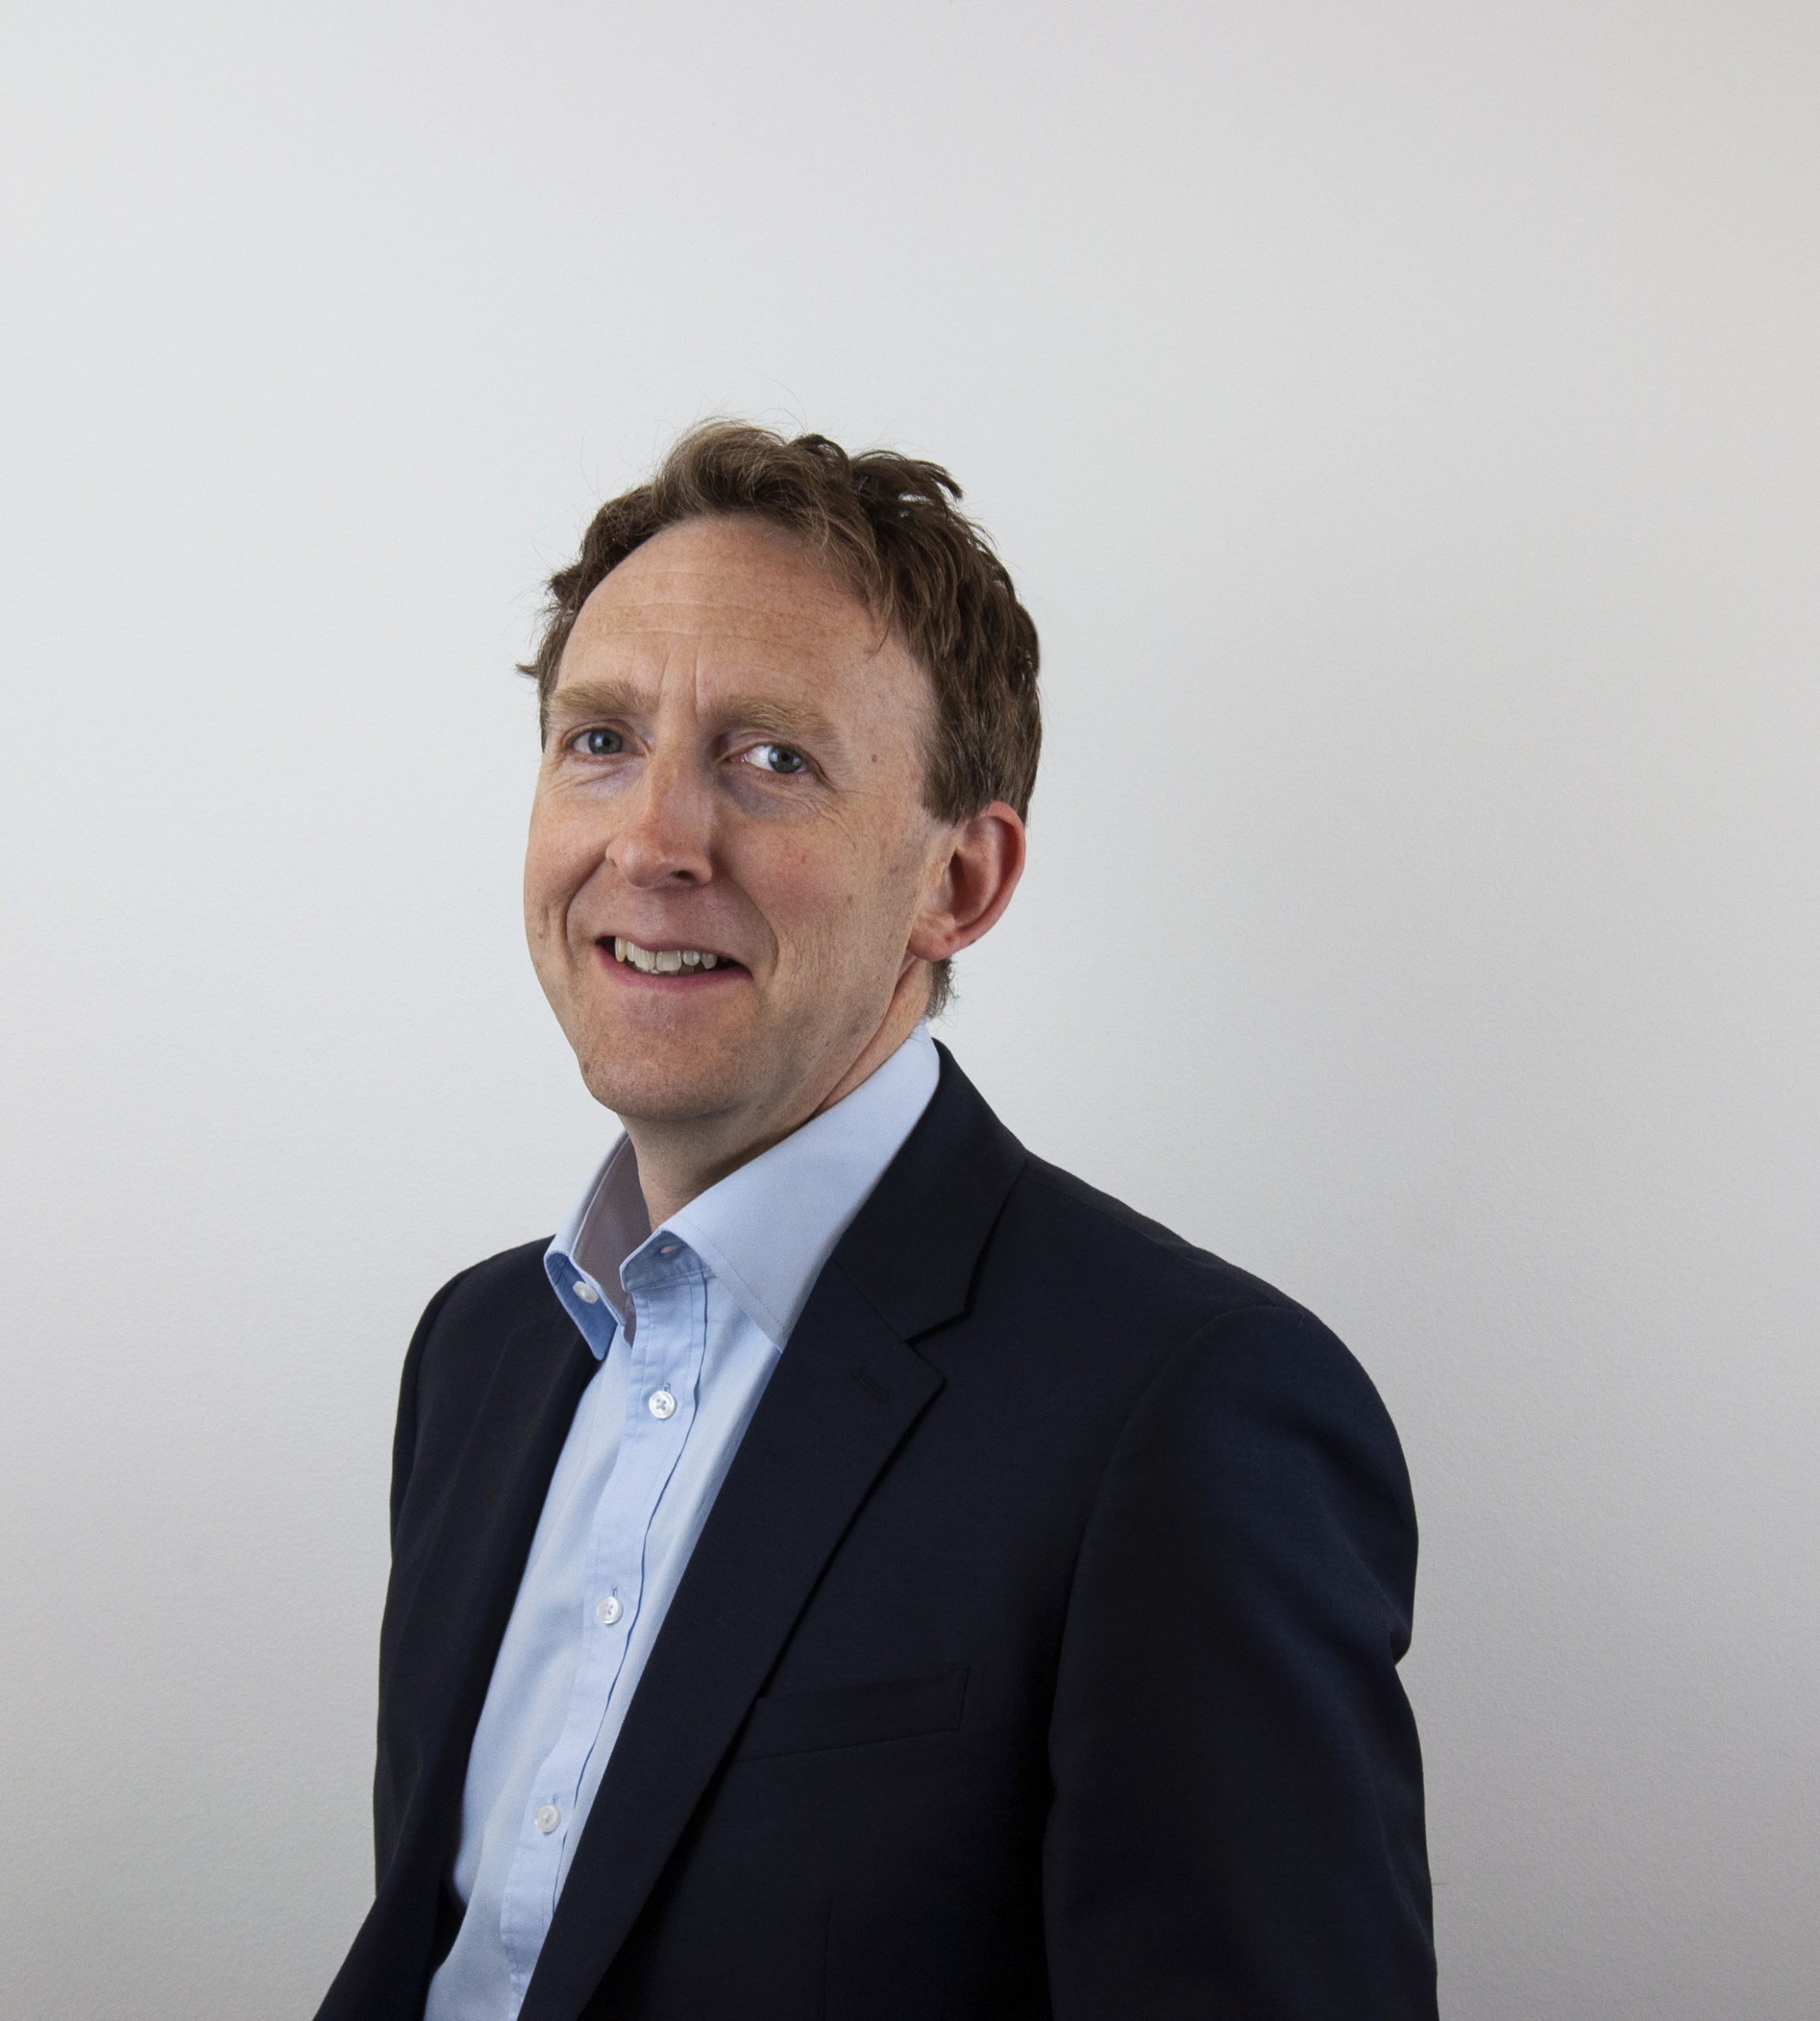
<point x="662" y="836"/>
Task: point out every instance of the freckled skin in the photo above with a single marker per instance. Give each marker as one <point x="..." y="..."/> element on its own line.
<point x="734" y="764"/>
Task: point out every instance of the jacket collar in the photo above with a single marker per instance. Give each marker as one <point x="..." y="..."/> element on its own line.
<point x="911" y="1251"/>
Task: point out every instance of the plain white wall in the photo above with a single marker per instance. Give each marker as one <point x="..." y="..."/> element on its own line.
<point x="1402" y="420"/>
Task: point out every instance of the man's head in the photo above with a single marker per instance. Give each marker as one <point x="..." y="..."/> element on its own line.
<point x="790" y="723"/>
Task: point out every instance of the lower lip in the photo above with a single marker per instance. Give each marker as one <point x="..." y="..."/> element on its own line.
<point x="723" y="972"/>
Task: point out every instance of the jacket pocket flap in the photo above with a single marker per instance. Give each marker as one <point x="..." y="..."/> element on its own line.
<point x="854" y="1715"/>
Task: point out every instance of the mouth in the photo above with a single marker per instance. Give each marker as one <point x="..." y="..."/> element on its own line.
<point x="685" y="963"/>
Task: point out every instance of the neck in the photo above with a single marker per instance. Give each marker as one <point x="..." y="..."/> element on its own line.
<point x="678" y="1161"/>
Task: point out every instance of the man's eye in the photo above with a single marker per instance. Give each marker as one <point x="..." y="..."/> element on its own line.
<point x="776" y="758"/>
<point x="600" y="744"/>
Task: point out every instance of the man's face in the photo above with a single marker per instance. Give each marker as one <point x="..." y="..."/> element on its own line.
<point x="732" y="771"/>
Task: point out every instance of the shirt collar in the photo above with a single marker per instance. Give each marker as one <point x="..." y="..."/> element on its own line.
<point x="765" y="1231"/>
<point x="603" y="1229"/>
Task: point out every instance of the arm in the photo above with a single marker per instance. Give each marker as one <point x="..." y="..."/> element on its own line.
<point x="403" y="1454"/>
<point x="404" y="1432"/>
<point x="1237" y="1824"/>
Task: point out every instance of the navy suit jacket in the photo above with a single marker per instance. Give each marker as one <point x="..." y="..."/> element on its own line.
<point x="1038" y="1659"/>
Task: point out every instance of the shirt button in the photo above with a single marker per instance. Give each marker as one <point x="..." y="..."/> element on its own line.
<point x="585" y="1292"/>
<point x="669" y="1249"/>
<point x="661" y="1403"/>
<point x="608" y="1611"/>
<point x="549" y="1818"/>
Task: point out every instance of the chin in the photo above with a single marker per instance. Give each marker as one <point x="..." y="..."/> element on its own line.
<point x="652" y="1084"/>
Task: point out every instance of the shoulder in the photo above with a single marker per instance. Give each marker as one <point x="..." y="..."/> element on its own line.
<point x="1057" y="1275"/>
<point x="464" y="1326"/>
<point x="1076" y="1246"/>
<point x="504" y="1289"/>
<point x="1228" y="1410"/>
<point x="1152" y="1324"/>
<point x="455" y="1350"/>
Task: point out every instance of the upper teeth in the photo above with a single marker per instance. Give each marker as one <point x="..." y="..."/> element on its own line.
<point x="661" y="961"/>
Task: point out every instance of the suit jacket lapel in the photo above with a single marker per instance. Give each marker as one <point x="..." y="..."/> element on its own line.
<point x="846" y="1392"/>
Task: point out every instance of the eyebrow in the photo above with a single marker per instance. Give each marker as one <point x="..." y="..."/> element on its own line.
<point x="594" y="698"/>
<point x="573" y="701"/>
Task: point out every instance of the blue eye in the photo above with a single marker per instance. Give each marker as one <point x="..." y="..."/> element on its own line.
<point x="600" y="743"/>
<point x="777" y="758"/>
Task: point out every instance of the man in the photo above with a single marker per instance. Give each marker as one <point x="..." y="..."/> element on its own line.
<point x="854" y="1570"/>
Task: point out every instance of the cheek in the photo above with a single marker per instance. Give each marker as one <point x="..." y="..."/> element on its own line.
<point x="560" y="855"/>
<point x="799" y="878"/>
<point x="795" y="884"/>
<point x="841" y="905"/>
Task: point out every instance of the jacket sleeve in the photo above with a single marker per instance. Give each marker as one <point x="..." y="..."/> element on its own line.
<point x="403" y="1455"/>
<point x="1236" y="1827"/>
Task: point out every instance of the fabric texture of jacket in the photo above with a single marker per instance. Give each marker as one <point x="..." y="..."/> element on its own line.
<point x="1037" y="1658"/>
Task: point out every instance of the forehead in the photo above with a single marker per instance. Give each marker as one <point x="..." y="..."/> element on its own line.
<point x="725" y="599"/>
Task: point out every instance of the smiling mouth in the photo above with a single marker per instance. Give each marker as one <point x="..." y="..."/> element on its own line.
<point x="667" y="961"/>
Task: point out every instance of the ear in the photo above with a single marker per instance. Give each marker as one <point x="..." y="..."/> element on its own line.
<point x="972" y="885"/>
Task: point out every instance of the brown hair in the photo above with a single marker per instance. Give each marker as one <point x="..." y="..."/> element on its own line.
<point x="887" y="525"/>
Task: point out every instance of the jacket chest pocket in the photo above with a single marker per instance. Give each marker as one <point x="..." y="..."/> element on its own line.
<point x="854" y="1715"/>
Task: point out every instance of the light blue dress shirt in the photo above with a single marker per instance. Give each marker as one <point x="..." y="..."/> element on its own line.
<point x="688" y="1322"/>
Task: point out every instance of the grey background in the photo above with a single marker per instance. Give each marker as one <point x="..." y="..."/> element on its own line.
<point x="1402" y="420"/>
